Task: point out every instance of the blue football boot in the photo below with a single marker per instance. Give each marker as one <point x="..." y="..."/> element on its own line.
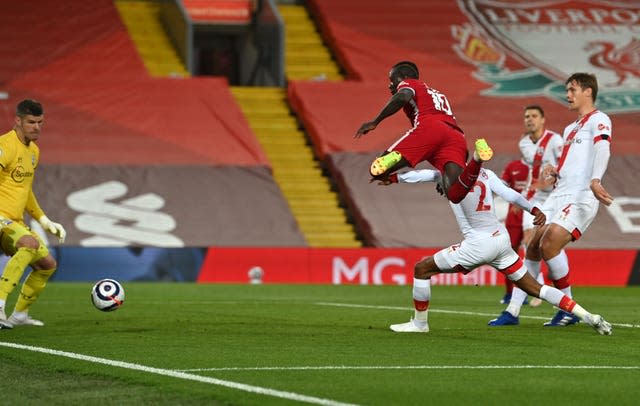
<point x="562" y="319"/>
<point x="505" y="319"/>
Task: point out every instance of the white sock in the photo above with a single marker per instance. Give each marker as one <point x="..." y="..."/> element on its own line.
<point x="533" y="267"/>
<point x="554" y="296"/>
<point x="420" y="318"/>
<point x="559" y="268"/>
<point x="422" y="289"/>
<point x="581" y="312"/>
<point x="551" y="295"/>
<point x="517" y="299"/>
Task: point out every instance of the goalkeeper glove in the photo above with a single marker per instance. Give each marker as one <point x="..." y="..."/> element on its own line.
<point x="52" y="227"/>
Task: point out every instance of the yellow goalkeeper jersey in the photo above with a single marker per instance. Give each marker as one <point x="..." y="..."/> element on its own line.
<point x="18" y="163"/>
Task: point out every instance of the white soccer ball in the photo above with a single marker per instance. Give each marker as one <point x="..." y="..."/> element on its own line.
<point x="107" y="295"/>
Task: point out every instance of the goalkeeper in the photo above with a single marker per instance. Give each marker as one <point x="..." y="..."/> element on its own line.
<point x="19" y="157"/>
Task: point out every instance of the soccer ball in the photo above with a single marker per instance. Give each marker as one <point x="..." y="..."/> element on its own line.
<point x="107" y="295"/>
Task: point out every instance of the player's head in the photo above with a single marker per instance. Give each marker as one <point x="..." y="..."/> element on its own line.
<point x="535" y="107"/>
<point x="400" y="71"/>
<point x="534" y="120"/>
<point x="29" y="119"/>
<point x="29" y="107"/>
<point x="585" y="81"/>
<point x="407" y="69"/>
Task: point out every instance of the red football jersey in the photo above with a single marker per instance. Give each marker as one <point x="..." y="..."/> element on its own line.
<point x="427" y="104"/>
<point x="516" y="174"/>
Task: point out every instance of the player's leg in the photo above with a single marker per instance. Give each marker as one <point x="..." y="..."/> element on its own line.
<point x="555" y="297"/>
<point x="528" y="231"/>
<point x="422" y="273"/>
<point x="409" y="150"/>
<point x="509" y="316"/>
<point x="44" y="266"/>
<point x="532" y="263"/>
<point x="551" y="246"/>
<point x="386" y="164"/>
<point x="17" y="242"/>
<point x="460" y="179"/>
<point x="514" y="228"/>
<point x="448" y="260"/>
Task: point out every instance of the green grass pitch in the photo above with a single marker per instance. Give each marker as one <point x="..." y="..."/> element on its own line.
<point x="190" y="344"/>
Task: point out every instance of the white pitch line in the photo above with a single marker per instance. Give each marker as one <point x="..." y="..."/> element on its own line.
<point x="446" y="311"/>
<point x="403" y="367"/>
<point x="180" y="375"/>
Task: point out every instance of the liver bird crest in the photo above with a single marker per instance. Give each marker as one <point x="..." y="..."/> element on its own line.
<point x="623" y="61"/>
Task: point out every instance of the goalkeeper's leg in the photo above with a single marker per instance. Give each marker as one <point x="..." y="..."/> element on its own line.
<point x="11" y="275"/>
<point x="31" y="289"/>
<point x="43" y="267"/>
<point x="13" y="271"/>
<point x="18" y="243"/>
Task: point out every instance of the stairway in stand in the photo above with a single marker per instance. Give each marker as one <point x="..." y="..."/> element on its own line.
<point x="142" y="19"/>
<point x="313" y="203"/>
<point x="307" y="58"/>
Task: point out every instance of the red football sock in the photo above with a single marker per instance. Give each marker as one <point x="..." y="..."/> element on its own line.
<point x="459" y="189"/>
<point x="420" y="305"/>
<point x="508" y="285"/>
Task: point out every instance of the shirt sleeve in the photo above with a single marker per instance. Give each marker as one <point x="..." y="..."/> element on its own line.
<point x="33" y="207"/>
<point x="554" y="150"/>
<point x="601" y="159"/>
<point x="406" y="86"/>
<point x="6" y="155"/>
<point x="527" y="149"/>
<point x="418" y="176"/>
<point x="507" y="193"/>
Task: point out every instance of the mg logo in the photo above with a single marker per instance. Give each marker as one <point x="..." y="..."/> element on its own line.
<point x="118" y="223"/>
<point x="393" y="270"/>
<point x="360" y="271"/>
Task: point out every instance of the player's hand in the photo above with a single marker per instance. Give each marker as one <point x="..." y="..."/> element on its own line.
<point x="548" y="177"/>
<point x="365" y="128"/>
<point x="538" y="217"/>
<point x="53" y="227"/>
<point x="600" y="192"/>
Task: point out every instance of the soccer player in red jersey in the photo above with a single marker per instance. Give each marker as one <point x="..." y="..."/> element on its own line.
<point x="434" y="136"/>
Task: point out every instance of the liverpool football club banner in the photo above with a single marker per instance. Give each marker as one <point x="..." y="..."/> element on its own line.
<point x="531" y="47"/>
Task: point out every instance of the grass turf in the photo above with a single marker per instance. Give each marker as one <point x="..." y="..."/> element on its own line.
<point x="331" y="343"/>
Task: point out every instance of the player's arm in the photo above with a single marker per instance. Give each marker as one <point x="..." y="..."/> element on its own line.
<point x="513" y="197"/>
<point x="34" y="209"/>
<point x="395" y="103"/>
<point x="418" y="176"/>
<point x="600" y="163"/>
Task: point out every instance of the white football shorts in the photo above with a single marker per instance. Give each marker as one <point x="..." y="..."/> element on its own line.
<point x="573" y="213"/>
<point x="494" y="250"/>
